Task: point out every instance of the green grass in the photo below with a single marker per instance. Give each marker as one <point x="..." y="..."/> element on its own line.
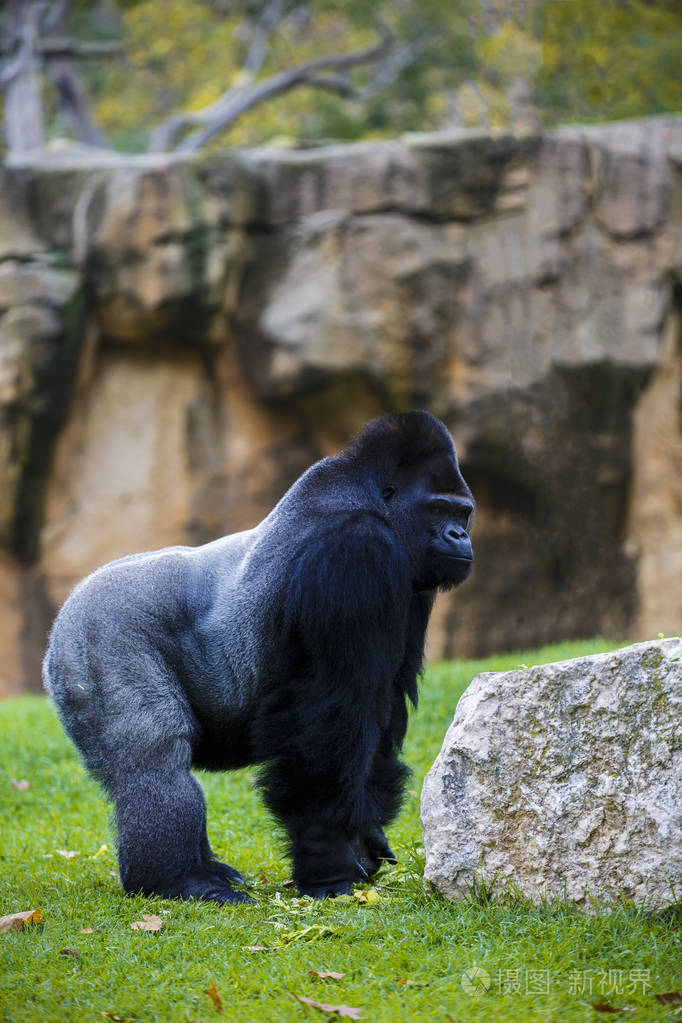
<point x="402" y="957"/>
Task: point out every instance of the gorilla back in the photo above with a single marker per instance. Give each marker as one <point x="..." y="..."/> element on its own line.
<point x="294" y="645"/>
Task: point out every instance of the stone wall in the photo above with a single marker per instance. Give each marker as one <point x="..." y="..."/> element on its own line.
<point x="181" y="337"/>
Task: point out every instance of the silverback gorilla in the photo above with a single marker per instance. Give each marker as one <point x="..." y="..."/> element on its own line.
<point x="294" y="645"/>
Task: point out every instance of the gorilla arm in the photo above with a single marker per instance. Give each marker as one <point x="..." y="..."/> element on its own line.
<point x="346" y="614"/>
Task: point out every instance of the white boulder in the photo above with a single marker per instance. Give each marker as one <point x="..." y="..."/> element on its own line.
<point x="564" y="779"/>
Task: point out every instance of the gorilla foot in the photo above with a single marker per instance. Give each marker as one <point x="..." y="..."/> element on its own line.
<point x="325" y="864"/>
<point x="325" y="889"/>
<point x="205" y="887"/>
<point x="226" y="872"/>
<point x="371" y="850"/>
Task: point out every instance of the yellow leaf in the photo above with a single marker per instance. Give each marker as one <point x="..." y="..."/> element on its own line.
<point x="17" y="921"/>
<point x="368" y="898"/>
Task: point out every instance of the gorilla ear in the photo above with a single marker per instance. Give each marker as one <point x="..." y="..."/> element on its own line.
<point x="388" y="492"/>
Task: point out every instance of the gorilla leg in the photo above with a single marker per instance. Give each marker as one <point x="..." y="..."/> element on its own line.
<point x="163" y="848"/>
<point x="223" y="870"/>
<point x="317" y="813"/>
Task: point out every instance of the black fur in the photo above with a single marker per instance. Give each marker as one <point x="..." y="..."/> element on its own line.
<point x="294" y="645"/>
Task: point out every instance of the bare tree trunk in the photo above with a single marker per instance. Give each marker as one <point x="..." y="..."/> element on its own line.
<point x="73" y="102"/>
<point x="24" y="128"/>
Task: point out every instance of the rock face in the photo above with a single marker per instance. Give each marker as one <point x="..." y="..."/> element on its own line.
<point x="564" y="779"/>
<point x="180" y="337"/>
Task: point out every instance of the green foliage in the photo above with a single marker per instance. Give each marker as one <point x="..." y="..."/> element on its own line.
<point x="583" y="60"/>
<point x="402" y="956"/>
<point x="182" y="54"/>
<point x="607" y="59"/>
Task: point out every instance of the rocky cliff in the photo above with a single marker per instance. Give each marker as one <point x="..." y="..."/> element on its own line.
<point x="181" y="337"/>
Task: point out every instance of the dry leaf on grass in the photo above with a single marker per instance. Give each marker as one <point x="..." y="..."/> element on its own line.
<point x="90" y="930"/>
<point x="669" y="998"/>
<point x="326" y="974"/>
<point x="17" y="921"/>
<point x="69" y="953"/>
<point x="605" y="1007"/>
<point x="335" y="1010"/>
<point x="20" y="784"/>
<point x="255" y="948"/>
<point x="212" y="992"/>
<point x="117" y="1019"/>
<point x="148" y="923"/>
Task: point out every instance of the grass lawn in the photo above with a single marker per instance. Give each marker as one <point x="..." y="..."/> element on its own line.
<point x="401" y="957"/>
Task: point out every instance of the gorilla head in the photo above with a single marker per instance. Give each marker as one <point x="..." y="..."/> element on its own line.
<point x="294" y="645"/>
<point x="427" y="501"/>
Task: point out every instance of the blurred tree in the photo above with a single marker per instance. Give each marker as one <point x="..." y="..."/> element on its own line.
<point x="290" y="72"/>
<point x="609" y="58"/>
<point x="216" y="62"/>
<point x="32" y="42"/>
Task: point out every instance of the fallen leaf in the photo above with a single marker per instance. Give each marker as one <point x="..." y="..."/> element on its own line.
<point x="68" y="854"/>
<point x="212" y="993"/>
<point x="308" y="934"/>
<point x="90" y="930"/>
<point x="21" y="784"/>
<point x="669" y="998"/>
<point x="117" y="1019"/>
<point x="335" y="1010"/>
<point x="605" y="1007"/>
<point x="326" y="974"/>
<point x="73" y="953"/>
<point x="149" y="923"/>
<point x="368" y="898"/>
<point x="255" y="948"/>
<point x="288" y="884"/>
<point x="17" y="921"/>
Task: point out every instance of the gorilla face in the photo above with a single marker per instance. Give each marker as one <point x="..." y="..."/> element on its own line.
<point x="431" y="507"/>
<point x="449" y="554"/>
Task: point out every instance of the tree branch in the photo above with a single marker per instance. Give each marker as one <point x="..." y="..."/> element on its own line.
<point x="73" y="103"/>
<point x="393" y="67"/>
<point x="55" y="15"/>
<point x="260" y="42"/>
<point x="63" y="47"/>
<point x="238" y="99"/>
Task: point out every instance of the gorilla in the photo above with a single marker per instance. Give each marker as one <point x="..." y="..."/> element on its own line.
<point x="294" y="645"/>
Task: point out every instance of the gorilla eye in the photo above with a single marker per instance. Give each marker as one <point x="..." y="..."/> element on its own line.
<point x="387" y="493"/>
<point x="440" y="507"/>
